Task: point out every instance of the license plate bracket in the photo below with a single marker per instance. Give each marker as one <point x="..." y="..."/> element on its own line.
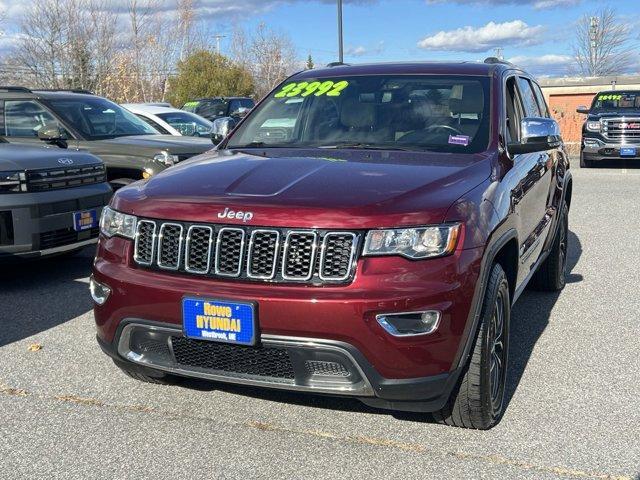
<point x="85" y="220"/>
<point x="219" y="320"/>
<point x="628" y="151"/>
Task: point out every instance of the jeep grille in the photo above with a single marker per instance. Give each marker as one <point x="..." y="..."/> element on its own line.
<point x="247" y="253"/>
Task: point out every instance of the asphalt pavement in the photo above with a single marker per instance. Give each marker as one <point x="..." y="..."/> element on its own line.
<point x="573" y="389"/>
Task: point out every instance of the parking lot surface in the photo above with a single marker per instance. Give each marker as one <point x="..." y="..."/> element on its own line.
<point x="573" y="390"/>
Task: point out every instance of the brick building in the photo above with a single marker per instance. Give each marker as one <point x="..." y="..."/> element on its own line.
<point x="564" y="95"/>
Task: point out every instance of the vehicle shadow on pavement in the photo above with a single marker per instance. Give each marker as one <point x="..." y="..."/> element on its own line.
<point x="38" y="295"/>
<point x="529" y="319"/>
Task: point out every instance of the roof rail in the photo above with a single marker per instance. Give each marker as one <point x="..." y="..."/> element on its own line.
<point x="494" y="60"/>
<point x="337" y="64"/>
<point x="70" y="90"/>
<point x="14" y="89"/>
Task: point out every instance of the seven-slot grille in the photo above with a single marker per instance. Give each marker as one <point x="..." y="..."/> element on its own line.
<point x="621" y="128"/>
<point x="268" y="254"/>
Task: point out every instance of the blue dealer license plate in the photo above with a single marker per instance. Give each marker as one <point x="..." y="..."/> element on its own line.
<point x="85" y="220"/>
<point x="628" y="151"/>
<point x="219" y="321"/>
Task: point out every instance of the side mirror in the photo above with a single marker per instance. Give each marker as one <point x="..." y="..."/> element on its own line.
<point x="51" y="133"/>
<point x="538" y="135"/>
<point x="221" y="128"/>
<point x="583" y="109"/>
<point x="240" y="112"/>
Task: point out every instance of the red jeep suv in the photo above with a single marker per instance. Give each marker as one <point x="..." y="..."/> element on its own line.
<point x="363" y="232"/>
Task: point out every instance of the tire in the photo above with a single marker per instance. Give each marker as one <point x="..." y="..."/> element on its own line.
<point x="477" y="402"/>
<point x="551" y="275"/>
<point x="585" y="163"/>
<point x="138" y="373"/>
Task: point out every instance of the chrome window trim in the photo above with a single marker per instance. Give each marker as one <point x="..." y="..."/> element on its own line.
<point x="354" y="247"/>
<point x="187" y="268"/>
<point x="275" y="254"/>
<point x="216" y="262"/>
<point x="159" y="249"/>
<point x="136" y="258"/>
<point x="312" y="262"/>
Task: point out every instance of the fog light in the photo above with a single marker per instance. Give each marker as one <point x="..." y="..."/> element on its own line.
<point x="99" y="292"/>
<point x="410" y="323"/>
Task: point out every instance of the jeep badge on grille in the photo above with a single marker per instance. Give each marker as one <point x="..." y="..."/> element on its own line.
<point x="244" y="216"/>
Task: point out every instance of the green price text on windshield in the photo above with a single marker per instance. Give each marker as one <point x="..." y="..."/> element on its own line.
<point x="305" y="89"/>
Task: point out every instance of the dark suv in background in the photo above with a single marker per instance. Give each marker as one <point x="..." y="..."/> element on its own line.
<point x="50" y="200"/>
<point x="214" y="108"/>
<point x="364" y="231"/>
<point x="130" y="148"/>
<point x="612" y="128"/>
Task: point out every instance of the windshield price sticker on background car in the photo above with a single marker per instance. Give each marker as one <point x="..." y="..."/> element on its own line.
<point x="609" y="97"/>
<point x="304" y="89"/>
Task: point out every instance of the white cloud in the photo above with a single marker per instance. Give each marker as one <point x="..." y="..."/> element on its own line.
<point x="469" y="39"/>
<point x="550" y="64"/>
<point x="537" y="4"/>
<point x="361" y="50"/>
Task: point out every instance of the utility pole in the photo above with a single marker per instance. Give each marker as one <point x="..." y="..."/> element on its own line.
<point x="593" y="45"/>
<point x="218" y="38"/>
<point x="340" y="43"/>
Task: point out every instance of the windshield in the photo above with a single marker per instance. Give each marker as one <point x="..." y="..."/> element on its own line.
<point x="616" y="101"/>
<point x="426" y="112"/>
<point x="188" y="124"/>
<point x="97" y="118"/>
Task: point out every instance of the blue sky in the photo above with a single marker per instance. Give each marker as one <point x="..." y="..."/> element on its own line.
<point x="537" y="34"/>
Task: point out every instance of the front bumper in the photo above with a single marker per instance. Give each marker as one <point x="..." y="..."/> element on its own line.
<point x="333" y="324"/>
<point x="39" y="224"/>
<point x="299" y="364"/>
<point x="594" y="150"/>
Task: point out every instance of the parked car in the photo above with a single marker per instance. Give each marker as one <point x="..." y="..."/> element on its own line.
<point x="171" y="121"/>
<point x="50" y="200"/>
<point x="364" y="231"/>
<point x="130" y="148"/>
<point x="214" y="108"/>
<point x="612" y="128"/>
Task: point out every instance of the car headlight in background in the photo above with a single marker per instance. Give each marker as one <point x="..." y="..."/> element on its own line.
<point x="166" y="158"/>
<point x="113" y="223"/>
<point x="593" y="126"/>
<point x="415" y="243"/>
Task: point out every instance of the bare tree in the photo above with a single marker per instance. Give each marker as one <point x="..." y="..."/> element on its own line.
<point x="270" y="56"/>
<point x="602" y="45"/>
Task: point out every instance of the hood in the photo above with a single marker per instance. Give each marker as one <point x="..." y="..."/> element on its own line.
<point x="156" y="143"/>
<point x="20" y="157"/>
<point x="359" y="190"/>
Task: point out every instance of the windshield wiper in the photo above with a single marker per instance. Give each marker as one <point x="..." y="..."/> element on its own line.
<point x="258" y="145"/>
<point x="367" y="146"/>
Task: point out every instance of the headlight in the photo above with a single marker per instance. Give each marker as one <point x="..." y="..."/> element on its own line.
<point x="593" y="126"/>
<point x="12" y="182"/>
<point x="116" y="223"/>
<point x="423" y="242"/>
<point x="166" y="158"/>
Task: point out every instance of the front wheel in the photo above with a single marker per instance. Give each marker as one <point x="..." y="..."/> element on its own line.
<point x="478" y="400"/>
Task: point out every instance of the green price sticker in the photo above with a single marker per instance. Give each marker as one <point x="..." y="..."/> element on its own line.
<point x="609" y="97"/>
<point x="305" y="89"/>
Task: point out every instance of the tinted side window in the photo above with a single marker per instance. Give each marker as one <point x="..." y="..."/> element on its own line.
<point x="155" y="125"/>
<point x="528" y="98"/>
<point x="23" y="118"/>
<point x="513" y="111"/>
<point x="541" y="101"/>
